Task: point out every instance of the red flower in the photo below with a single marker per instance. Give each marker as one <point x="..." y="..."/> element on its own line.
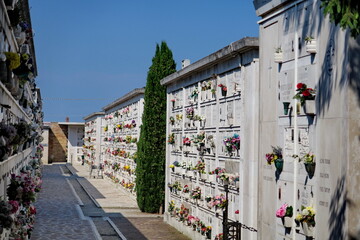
<point x="237" y="212"/>
<point x="224" y="88"/>
<point x="306" y="93"/>
<point x="32" y="210"/>
<point x="300" y="85"/>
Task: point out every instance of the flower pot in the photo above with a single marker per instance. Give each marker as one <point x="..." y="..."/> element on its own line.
<point x="173" y="104"/>
<point x="311" y="46"/>
<point x="278" y="57"/>
<point x="287" y="222"/>
<point x="279" y="163"/>
<point x="223" y="92"/>
<point x="286" y="107"/>
<point x="308" y="229"/>
<point x="208" y="235"/>
<point x="309" y="107"/>
<point x="310" y="168"/>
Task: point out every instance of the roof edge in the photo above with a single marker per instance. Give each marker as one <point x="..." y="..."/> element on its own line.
<point x="240" y="46"/>
<point x="133" y="93"/>
<point x="93" y="115"/>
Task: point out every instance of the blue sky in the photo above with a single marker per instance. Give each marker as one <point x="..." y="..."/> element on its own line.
<point x="91" y="52"/>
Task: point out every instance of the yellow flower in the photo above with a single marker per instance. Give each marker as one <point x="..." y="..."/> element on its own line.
<point x="298" y="217"/>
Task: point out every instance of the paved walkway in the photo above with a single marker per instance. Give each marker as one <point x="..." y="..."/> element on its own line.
<point x="74" y="206"/>
<point x="58" y="215"/>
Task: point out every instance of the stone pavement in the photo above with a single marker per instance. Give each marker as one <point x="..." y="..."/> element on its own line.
<point x="129" y="220"/>
<point x="74" y="206"/>
<point x="58" y="215"/>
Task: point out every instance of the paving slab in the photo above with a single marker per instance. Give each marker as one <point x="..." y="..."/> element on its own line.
<point x="57" y="215"/>
<point x="122" y="209"/>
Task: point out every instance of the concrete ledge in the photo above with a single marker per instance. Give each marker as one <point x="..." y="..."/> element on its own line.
<point x="243" y="45"/>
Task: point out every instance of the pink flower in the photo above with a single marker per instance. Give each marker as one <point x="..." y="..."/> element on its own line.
<point x="281" y="211"/>
<point x="15" y="206"/>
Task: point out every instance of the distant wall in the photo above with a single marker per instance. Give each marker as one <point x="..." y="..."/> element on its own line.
<point x="57" y="142"/>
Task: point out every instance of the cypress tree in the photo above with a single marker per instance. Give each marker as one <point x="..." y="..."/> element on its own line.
<point x="150" y="170"/>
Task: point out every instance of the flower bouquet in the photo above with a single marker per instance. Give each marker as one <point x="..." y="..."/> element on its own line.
<point x="223" y="89"/>
<point x="304" y="93"/>
<point x="275" y="157"/>
<point x="307" y="218"/>
<point x="285" y="212"/>
<point x="309" y="162"/>
<point x="171" y="139"/>
<point x="232" y="143"/>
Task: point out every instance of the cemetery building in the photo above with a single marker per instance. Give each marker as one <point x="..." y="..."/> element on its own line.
<point x="302" y="52"/>
<point x="212" y="141"/>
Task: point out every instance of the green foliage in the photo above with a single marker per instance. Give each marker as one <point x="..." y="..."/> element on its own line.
<point x="150" y="170"/>
<point x="344" y="13"/>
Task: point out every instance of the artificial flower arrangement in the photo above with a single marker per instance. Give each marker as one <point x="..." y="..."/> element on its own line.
<point x="176" y="186"/>
<point x="176" y="164"/>
<point x="172" y="120"/>
<point x="206" y="85"/>
<point x="219" y="236"/>
<point x="208" y="198"/>
<point x="186" y="141"/>
<point x="186" y="189"/>
<point x="125" y="110"/>
<point x="309" y="162"/>
<point x="307" y="215"/>
<point x="228" y="177"/>
<point x="179" y="117"/>
<point x="128" y="139"/>
<point x="183" y="213"/>
<point x="171" y="139"/>
<point x="171" y="206"/>
<point x="200" y="167"/>
<point x="232" y="143"/>
<point x="194" y="94"/>
<point x="199" y="139"/>
<point x="189" y="113"/>
<point x="196" y="193"/>
<point x="304" y="93"/>
<point x="285" y="212"/>
<point x="217" y="171"/>
<point x="223" y="87"/>
<point x="308" y="158"/>
<point x="275" y="155"/>
<point x="198" y="118"/>
<point x="219" y="202"/>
